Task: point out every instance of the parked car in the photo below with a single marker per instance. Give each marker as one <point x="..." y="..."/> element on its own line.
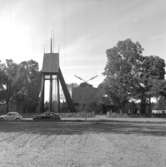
<point x="11" y="116"/>
<point x="47" y="116"/>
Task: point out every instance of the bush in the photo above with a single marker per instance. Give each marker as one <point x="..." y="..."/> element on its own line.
<point x="116" y="115"/>
<point x="77" y="115"/>
<point x="2" y="108"/>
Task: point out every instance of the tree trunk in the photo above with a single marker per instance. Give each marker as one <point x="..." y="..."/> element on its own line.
<point x="7" y="106"/>
<point x="150" y="107"/>
<point x="7" y="98"/>
<point x="143" y="105"/>
<point x="124" y="107"/>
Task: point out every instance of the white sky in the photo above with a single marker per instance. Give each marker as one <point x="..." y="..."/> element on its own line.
<point x="83" y="29"/>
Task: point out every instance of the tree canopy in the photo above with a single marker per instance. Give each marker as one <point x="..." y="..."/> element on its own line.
<point x="20" y="84"/>
<point x="130" y="75"/>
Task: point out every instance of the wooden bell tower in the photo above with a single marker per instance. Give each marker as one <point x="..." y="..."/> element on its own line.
<point x="51" y="71"/>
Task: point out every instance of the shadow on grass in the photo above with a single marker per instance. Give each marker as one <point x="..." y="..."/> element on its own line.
<point x="76" y="127"/>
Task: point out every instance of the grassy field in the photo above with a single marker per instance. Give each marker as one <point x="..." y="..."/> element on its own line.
<point x="83" y="144"/>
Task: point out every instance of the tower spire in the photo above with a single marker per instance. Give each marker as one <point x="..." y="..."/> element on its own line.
<point x="51" y="42"/>
<point x="51" y="49"/>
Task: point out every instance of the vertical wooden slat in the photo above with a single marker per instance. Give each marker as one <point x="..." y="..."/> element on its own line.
<point x="42" y="93"/>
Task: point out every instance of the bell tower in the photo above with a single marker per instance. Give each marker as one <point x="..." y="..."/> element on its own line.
<point x="51" y="71"/>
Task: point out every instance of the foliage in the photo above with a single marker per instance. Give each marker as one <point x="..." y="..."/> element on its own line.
<point x="130" y="75"/>
<point x="121" y="70"/>
<point x="20" y="83"/>
<point x="151" y="74"/>
<point x="85" y="84"/>
<point x="161" y="104"/>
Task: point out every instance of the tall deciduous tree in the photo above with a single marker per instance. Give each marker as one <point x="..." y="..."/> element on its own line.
<point x="129" y="74"/>
<point x="123" y="62"/>
<point x="20" y="83"/>
<point x="151" y="74"/>
<point x="11" y="71"/>
<point x="3" y="79"/>
<point x="29" y="78"/>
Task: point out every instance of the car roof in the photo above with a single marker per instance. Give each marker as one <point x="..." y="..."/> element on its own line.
<point x="12" y="112"/>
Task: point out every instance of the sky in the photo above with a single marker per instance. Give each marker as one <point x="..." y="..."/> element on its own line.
<point x="83" y="30"/>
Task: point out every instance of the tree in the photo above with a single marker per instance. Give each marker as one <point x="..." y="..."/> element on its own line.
<point x="151" y="74"/>
<point x="123" y="62"/>
<point x="20" y="83"/>
<point x="129" y="74"/>
<point x="11" y="75"/>
<point x="3" y="79"/>
<point x="29" y="78"/>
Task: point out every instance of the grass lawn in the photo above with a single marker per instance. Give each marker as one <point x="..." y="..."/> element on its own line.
<point x="83" y="144"/>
